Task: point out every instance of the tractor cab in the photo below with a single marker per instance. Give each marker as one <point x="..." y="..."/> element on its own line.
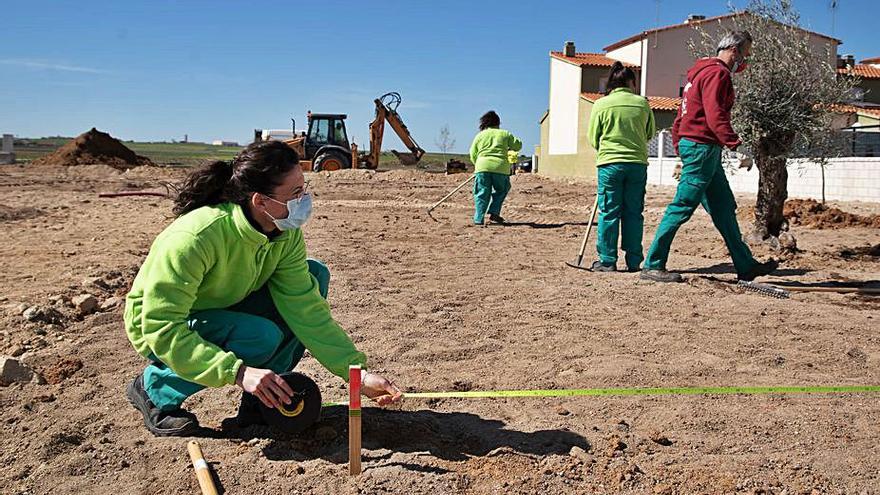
<point x="326" y="142"/>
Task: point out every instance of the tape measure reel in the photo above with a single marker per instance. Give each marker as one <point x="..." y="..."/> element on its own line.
<point x="304" y="409"/>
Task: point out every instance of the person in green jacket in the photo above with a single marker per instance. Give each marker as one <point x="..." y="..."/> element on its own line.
<point x="491" y="167"/>
<point x="512" y="159"/>
<point x="226" y="295"/>
<point x="621" y="124"/>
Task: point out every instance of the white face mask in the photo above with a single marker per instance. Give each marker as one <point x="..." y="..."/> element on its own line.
<point x="739" y="63"/>
<point x="298" y="212"/>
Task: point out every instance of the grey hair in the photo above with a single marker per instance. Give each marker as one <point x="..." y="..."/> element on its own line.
<point x="736" y="39"/>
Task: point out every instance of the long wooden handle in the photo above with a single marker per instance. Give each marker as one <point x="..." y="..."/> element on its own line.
<point x="132" y="193"/>
<point x="838" y="290"/>
<point x="203" y="472"/>
<point x="589" y="228"/>
<point x="438" y="203"/>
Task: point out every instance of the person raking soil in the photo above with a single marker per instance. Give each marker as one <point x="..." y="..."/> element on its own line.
<point x="491" y="167"/>
<point x="621" y="124"/>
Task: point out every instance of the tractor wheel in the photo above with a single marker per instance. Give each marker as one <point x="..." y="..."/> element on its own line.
<point x="330" y="161"/>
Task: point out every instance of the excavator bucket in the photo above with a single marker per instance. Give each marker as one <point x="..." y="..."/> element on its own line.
<point x="406" y="158"/>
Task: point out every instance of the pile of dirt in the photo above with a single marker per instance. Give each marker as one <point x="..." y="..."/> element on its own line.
<point x="94" y="147"/>
<point x="811" y="213"/>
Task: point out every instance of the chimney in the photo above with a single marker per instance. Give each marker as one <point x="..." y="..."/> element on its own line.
<point x="849" y="60"/>
<point x="694" y="17"/>
<point x="568" y="50"/>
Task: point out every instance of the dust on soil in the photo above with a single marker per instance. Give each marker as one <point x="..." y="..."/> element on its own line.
<point x="443" y="305"/>
<point x="94" y="147"/>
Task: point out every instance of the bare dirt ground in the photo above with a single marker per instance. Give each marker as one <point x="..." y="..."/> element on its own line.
<point x="443" y="305"/>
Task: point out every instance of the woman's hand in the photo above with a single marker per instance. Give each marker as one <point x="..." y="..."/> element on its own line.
<point x="270" y="388"/>
<point x="380" y="389"/>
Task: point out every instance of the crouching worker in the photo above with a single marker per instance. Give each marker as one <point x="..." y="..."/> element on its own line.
<point x="226" y="295"/>
<point x="492" y="168"/>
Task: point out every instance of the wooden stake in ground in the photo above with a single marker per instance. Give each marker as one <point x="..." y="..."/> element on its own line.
<point x="203" y="473"/>
<point x="354" y="420"/>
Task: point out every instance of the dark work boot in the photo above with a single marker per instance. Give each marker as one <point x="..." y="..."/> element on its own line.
<point x="660" y="276"/>
<point x="176" y="423"/>
<point x="249" y="411"/>
<point x="496" y="219"/>
<point x="598" y="266"/>
<point x="759" y="270"/>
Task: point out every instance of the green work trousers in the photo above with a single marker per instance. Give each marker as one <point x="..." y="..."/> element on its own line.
<point x="621" y="202"/>
<point x="252" y="329"/>
<point x="490" y="189"/>
<point x="702" y="181"/>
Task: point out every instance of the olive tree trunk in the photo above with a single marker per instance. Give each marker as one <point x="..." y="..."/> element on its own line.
<point x="772" y="193"/>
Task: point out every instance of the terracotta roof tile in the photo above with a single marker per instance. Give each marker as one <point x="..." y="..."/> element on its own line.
<point x="862" y="70"/>
<point x="871" y="112"/>
<point x="589" y="60"/>
<point x="874" y="60"/>
<point x="662" y="103"/>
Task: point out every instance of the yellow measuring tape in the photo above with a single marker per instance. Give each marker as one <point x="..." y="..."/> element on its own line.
<point x="624" y="392"/>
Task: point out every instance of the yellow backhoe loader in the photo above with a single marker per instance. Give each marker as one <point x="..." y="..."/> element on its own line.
<point x="325" y="146"/>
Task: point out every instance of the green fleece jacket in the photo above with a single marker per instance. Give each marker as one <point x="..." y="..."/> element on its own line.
<point x="489" y="150"/>
<point x="621" y="124"/>
<point x="212" y="258"/>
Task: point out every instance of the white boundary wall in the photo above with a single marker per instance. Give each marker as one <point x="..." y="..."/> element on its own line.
<point x="846" y="179"/>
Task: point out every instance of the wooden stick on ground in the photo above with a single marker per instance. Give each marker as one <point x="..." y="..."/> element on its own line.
<point x="132" y="193"/>
<point x="203" y="472"/>
<point x="354" y="420"/>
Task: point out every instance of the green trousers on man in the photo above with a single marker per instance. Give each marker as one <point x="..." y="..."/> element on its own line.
<point x="252" y="329"/>
<point x="621" y="202"/>
<point x="702" y="182"/>
<point x="490" y="189"/>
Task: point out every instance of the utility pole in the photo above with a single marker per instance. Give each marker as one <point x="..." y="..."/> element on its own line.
<point x="834" y="5"/>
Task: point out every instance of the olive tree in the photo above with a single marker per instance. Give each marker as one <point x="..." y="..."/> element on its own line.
<point x="785" y="103"/>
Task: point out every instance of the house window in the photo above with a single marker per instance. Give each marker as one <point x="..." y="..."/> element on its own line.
<point x="603" y="83"/>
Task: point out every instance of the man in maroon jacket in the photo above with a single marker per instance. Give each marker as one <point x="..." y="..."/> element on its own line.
<point x="700" y="130"/>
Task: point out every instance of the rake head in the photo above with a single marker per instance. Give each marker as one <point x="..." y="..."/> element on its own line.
<point x="764" y="289"/>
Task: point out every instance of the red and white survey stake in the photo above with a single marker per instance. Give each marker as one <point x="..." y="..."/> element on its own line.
<point x="354" y="420"/>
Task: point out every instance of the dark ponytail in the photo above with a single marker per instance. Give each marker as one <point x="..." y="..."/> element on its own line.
<point x="259" y="168"/>
<point x="619" y="77"/>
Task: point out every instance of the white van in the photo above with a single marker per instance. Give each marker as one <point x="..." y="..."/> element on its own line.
<point x="276" y="134"/>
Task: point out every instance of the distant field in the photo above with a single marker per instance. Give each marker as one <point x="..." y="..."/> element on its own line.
<point x="190" y="154"/>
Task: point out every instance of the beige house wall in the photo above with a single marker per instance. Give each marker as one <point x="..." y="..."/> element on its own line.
<point x="579" y="164"/>
<point x="669" y="58"/>
<point x="872" y="90"/>
<point x="863" y="120"/>
<point x="592" y="79"/>
<point x="631" y="53"/>
<point x="582" y="163"/>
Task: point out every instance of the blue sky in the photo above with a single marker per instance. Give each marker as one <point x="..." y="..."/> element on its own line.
<point x="216" y="70"/>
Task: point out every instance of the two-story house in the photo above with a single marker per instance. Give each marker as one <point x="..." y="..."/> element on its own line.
<point x="660" y="57"/>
